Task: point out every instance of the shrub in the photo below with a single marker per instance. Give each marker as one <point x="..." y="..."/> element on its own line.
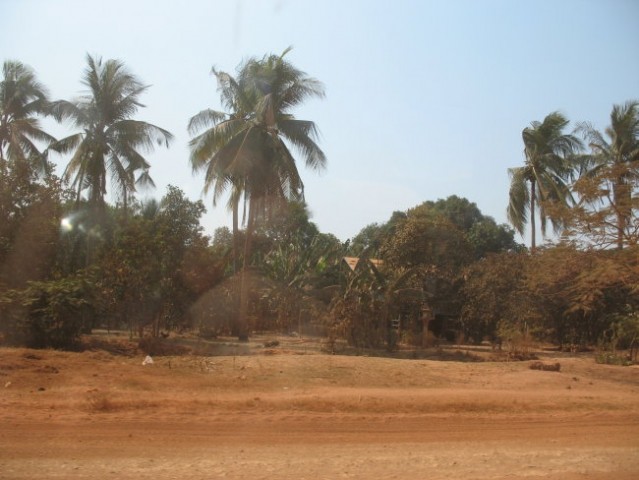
<point x="610" y="358"/>
<point x="547" y="367"/>
<point x="47" y="314"/>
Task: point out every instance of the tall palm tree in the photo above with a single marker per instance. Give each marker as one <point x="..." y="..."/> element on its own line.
<point x="246" y="150"/>
<point x="219" y="129"/>
<point x="22" y="99"/>
<point x="616" y="161"/>
<point x="110" y="141"/>
<point x="542" y="183"/>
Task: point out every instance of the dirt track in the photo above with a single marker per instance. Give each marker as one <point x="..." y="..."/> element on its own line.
<point x="287" y="416"/>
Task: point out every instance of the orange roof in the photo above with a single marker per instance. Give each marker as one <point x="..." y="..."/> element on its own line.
<point x="353" y="261"/>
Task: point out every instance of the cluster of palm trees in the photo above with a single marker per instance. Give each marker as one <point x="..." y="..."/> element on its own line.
<point x="245" y="151"/>
<point x="109" y="142"/>
<point x="558" y="179"/>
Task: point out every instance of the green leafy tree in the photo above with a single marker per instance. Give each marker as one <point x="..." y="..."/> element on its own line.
<point x="371" y="238"/>
<point x="427" y="238"/>
<point x="541" y="186"/>
<point x="83" y="235"/>
<point x="247" y="149"/>
<point x="222" y="246"/>
<point x="481" y="231"/>
<point x="439" y="249"/>
<point x="486" y="237"/>
<point x="111" y="142"/>
<point x="438" y="240"/>
<point x="602" y="295"/>
<point x="563" y="294"/>
<point x="181" y="241"/>
<point x="156" y="265"/>
<point x="494" y="295"/>
<point x="288" y="222"/>
<point x="368" y="238"/>
<point x="31" y="206"/>
<point x="22" y="100"/>
<point x="460" y="211"/>
<point x="48" y="314"/>
<point x="553" y="279"/>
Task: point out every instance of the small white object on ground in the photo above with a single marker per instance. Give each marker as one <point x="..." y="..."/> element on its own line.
<point x="148" y="360"/>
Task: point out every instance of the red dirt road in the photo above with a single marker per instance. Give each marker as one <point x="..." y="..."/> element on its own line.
<point x="93" y="415"/>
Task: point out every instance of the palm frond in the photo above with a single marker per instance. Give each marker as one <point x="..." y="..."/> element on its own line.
<point x="145" y="180"/>
<point x="518" y="206"/>
<point x="63" y="110"/>
<point x="138" y="134"/>
<point x="205" y="146"/>
<point x="65" y="145"/>
<point x="22" y="99"/>
<point x="302" y="134"/>
<point x="205" y="119"/>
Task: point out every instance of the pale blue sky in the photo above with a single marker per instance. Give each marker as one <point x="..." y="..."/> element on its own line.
<point x="425" y="99"/>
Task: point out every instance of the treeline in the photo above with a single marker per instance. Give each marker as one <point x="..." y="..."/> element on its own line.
<point x="449" y="272"/>
<point x="70" y="261"/>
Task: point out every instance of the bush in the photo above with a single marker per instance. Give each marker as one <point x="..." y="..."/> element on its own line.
<point x="47" y="314"/>
<point x="610" y="358"/>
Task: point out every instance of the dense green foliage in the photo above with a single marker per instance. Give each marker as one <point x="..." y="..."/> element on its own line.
<point x="49" y="314"/>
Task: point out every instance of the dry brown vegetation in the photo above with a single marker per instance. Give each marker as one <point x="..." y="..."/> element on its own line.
<point x="291" y="411"/>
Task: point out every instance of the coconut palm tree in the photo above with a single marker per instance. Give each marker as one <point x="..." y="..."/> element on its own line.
<point x="110" y="141"/>
<point x="247" y="149"/>
<point x="615" y="162"/>
<point x="542" y="183"/>
<point x="219" y="128"/>
<point x="22" y="99"/>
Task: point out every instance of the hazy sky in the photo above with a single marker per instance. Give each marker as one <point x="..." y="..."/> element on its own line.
<point x="424" y="99"/>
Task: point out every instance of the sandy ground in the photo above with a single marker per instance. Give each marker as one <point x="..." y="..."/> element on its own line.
<point x="297" y="414"/>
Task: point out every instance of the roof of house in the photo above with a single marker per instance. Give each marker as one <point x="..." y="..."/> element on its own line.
<point x="353" y="261"/>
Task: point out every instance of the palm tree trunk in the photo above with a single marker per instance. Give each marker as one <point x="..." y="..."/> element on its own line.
<point x="125" y="206"/>
<point x="533" y="227"/>
<point x="236" y="239"/>
<point x="242" y="322"/>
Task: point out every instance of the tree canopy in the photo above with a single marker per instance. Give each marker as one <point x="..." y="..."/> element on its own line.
<point x="542" y="184"/>
<point x="22" y="99"/>
<point x="110" y="142"/>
